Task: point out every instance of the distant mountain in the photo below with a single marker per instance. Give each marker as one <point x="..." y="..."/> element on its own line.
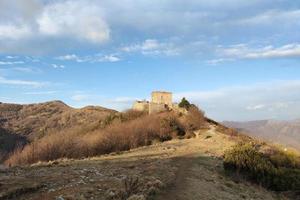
<point x="20" y="124"/>
<point x="283" y="132"/>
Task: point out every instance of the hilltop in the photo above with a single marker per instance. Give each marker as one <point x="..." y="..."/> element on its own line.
<point x="22" y="124"/>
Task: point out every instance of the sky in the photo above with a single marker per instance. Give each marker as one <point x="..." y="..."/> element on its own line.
<point x="237" y="60"/>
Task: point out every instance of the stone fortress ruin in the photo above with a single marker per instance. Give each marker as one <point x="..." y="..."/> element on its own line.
<point x="160" y="101"/>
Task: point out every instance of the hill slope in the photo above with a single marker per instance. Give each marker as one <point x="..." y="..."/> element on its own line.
<point x="20" y="124"/>
<point x="283" y="132"/>
<point x="178" y="169"/>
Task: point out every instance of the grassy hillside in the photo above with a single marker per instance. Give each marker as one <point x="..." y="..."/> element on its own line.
<point x="20" y="124"/>
<point x="120" y="132"/>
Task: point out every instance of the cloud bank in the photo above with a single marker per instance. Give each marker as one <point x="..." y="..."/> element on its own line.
<point x="31" y="22"/>
<point x="269" y="100"/>
<point x="16" y="82"/>
<point x="33" y="26"/>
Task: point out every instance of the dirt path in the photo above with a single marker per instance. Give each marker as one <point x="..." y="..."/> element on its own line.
<point x="200" y="176"/>
<point x="172" y="192"/>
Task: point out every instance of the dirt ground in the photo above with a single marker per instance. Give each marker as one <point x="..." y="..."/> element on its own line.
<point x="176" y="170"/>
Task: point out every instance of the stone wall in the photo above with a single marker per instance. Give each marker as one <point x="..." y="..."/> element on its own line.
<point x="160" y="101"/>
<point x="156" y="107"/>
<point x="162" y="98"/>
<point x="141" y="106"/>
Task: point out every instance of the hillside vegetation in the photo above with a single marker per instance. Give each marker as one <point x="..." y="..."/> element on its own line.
<point x="22" y="124"/>
<point x="264" y="164"/>
<point x="123" y="131"/>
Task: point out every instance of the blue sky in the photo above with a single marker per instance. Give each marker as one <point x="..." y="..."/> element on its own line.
<point x="237" y="60"/>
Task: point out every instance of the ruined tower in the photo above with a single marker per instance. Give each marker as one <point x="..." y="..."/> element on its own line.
<point x="160" y="101"/>
<point x="158" y="97"/>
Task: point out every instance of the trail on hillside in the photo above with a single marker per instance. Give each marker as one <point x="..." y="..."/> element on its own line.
<point x="200" y="176"/>
<point x="174" y="191"/>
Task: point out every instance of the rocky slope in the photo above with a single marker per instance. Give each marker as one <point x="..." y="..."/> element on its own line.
<point x="286" y="133"/>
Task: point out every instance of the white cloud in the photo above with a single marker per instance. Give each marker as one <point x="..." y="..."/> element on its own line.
<point x="11" y="57"/>
<point x="275" y="99"/>
<point x="80" y="19"/>
<point x="256" y="107"/>
<point x="153" y="47"/>
<point x="14" y="32"/>
<point x="40" y="93"/>
<point x="272" y="17"/>
<point x="39" y="26"/>
<point x="11" y="63"/>
<point x="91" y="59"/>
<point x="26" y="69"/>
<point x="34" y="21"/>
<point x="219" y="61"/>
<point x="68" y="57"/>
<point x="243" y="51"/>
<point x="19" y="9"/>
<point x="32" y="59"/>
<point x="109" y="58"/>
<point x="16" y="82"/>
<point x="57" y="66"/>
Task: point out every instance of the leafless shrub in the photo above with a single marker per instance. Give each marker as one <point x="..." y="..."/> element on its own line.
<point x="116" y="137"/>
<point x="195" y="119"/>
<point x="131" y="186"/>
<point x="132" y="114"/>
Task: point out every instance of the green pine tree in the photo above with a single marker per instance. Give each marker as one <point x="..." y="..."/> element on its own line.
<point x="184" y="103"/>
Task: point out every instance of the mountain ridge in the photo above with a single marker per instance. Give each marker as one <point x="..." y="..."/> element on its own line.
<point x="33" y="121"/>
<point x="284" y="132"/>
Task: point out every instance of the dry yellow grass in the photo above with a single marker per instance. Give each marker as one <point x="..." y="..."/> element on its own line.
<point x="126" y="131"/>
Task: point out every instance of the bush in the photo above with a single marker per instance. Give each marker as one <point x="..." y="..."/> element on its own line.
<point x="194" y="119"/>
<point x="122" y="117"/>
<point x="184" y="103"/>
<point x="277" y="171"/>
<point x="131" y="115"/>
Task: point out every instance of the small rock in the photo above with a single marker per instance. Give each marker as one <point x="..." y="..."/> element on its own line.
<point x="136" y="197"/>
<point x="60" y="198"/>
<point x="157" y="183"/>
<point x="111" y="194"/>
<point x="51" y="190"/>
